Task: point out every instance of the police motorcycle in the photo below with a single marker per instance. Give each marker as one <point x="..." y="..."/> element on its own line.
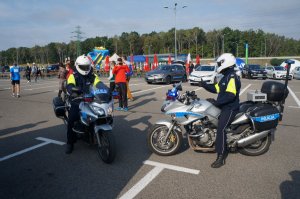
<point x="96" y="118"/>
<point x="250" y="133"/>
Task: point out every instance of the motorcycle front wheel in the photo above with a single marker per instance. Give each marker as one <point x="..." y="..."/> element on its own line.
<point x="106" y="146"/>
<point x="258" y="148"/>
<point x="156" y="140"/>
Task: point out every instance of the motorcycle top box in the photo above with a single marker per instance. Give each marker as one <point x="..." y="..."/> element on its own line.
<point x="264" y="117"/>
<point x="59" y="107"/>
<point x="274" y="91"/>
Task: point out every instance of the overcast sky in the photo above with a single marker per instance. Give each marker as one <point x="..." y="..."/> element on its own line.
<point x="39" y="22"/>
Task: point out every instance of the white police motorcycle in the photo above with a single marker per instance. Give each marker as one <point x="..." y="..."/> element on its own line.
<point x="96" y="119"/>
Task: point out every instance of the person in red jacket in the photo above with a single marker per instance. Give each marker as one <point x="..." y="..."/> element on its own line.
<point x="120" y="71"/>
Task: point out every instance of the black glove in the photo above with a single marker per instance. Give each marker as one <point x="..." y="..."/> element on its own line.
<point x="212" y="100"/>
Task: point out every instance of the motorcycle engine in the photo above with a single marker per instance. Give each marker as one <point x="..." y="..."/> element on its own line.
<point x="204" y="136"/>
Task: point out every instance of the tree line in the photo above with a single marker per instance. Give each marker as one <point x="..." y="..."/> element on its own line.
<point x="195" y="41"/>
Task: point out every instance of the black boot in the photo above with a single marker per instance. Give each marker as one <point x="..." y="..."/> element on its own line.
<point x="220" y="161"/>
<point x="69" y="148"/>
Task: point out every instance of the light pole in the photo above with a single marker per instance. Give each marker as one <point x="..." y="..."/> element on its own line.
<point x="175" y="10"/>
<point x="237" y="48"/>
<point x="223" y="43"/>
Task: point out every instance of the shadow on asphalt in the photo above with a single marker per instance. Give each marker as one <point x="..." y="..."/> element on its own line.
<point x="47" y="172"/>
<point x="290" y="189"/>
<point x="18" y="128"/>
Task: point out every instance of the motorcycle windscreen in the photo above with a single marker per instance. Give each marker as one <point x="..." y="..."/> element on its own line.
<point x="102" y="93"/>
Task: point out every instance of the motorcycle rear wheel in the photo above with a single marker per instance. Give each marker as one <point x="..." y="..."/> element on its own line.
<point x="258" y="148"/>
<point x="106" y="147"/>
<point x="156" y="144"/>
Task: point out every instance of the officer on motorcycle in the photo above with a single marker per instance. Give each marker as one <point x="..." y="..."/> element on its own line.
<point x="81" y="79"/>
<point x="228" y="90"/>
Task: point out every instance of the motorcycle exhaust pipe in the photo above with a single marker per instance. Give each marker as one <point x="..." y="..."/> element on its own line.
<point x="252" y="138"/>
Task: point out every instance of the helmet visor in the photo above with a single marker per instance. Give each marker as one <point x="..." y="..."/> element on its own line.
<point x="84" y="67"/>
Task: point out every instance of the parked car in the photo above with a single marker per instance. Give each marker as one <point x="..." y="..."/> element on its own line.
<point x="296" y="72"/>
<point x="277" y="72"/>
<point x="53" y="67"/>
<point x="166" y="74"/>
<point x="251" y="71"/>
<point x="205" y="72"/>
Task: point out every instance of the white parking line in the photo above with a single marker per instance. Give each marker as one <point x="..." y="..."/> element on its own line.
<point x="294" y="96"/>
<point x="158" y="167"/>
<point x="148" y="89"/>
<point x="46" y="141"/>
<point x="244" y="89"/>
<point x="30" y="89"/>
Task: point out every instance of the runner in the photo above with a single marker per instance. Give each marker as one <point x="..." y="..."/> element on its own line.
<point x="15" y="79"/>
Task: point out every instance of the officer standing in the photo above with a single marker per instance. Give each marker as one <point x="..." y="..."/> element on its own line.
<point x="228" y="90"/>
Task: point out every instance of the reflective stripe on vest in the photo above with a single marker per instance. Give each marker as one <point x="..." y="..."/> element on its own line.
<point x="97" y="80"/>
<point x="71" y="80"/>
<point x="217" y="88"/>
<point x="231" y="86"/>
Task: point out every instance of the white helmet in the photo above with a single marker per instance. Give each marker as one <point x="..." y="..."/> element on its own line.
<point x="226" y="60"/>
<point x="83" y="65"/>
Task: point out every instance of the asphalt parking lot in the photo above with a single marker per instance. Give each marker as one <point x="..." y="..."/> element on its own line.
<point x="33" y="163"/>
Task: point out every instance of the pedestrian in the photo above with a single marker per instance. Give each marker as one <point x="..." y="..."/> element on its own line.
<point x="128" y="75"/>
<point x="28" y="73"/>
<point x="120" y="71"/>
<point x="34" y="71"/>
<point x="112" y="84"/>
<point x="191" y="68"/>
<point x="62" y="74"/>
<point x="15" y="80"/>
<point x="228" y="90"/>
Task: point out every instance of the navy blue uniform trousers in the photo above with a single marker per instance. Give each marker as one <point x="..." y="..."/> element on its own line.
<point x="225" y="119"/>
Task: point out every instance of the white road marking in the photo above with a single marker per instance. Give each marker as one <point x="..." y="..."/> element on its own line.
<point x="46" y="142"/>
<point x="244" y="89"/>
<point x="172" y="167"/>
<point x="149" y="89"/>
<point x="294" y="96"/>
<point x="198" y="89"/>
<point x="158" y="167"/>
<point x="30" y="89"/>
<point x="293" y="106"/>
<point x="138" y="187"/>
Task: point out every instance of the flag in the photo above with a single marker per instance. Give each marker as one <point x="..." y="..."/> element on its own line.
<point x="188" y="60"/>
<point x="146" y="64"/>
<point x="169" y="59"/>
<point x="197" y="59"/>
<point x="155" y="61"/>
<point x="106" y="67"/>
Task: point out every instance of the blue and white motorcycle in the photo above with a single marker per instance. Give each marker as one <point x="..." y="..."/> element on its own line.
<point x="250" y="133"/>
<point x="96" y="119"/>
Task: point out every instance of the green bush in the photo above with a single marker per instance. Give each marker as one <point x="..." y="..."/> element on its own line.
<point x="276" y="62"/>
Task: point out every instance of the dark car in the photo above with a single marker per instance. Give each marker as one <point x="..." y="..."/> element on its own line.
<point x="166" y="74"/>
<point x="251" y="71"/>
<point x="53" y="67"/>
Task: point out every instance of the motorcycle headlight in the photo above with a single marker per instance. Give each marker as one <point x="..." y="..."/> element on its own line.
<point x="98" y="110"/>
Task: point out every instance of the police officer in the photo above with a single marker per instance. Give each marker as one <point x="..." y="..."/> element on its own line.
<point x="228" y="90"/>
<point x="81" y="78"/>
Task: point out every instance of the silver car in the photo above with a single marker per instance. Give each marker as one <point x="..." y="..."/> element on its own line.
<point x="297" y="72"/>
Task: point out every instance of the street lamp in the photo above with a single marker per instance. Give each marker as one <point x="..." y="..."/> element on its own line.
<point x="175" y="9"/>
<point x="237" y="48"/>
<point x="223" y="43"/>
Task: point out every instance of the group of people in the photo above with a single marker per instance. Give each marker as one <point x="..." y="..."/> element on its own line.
<point x="33" y="71"/>
<point x="228" y="90"/>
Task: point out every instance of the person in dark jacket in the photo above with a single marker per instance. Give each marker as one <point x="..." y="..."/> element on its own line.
<point x="81" y="78"/>
<point x="228" y="90"/>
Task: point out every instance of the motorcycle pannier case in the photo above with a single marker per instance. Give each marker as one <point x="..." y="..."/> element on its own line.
<point x="274" y="91"/>
<point x="264" y="117"/>
<point x="59" y="107"/>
